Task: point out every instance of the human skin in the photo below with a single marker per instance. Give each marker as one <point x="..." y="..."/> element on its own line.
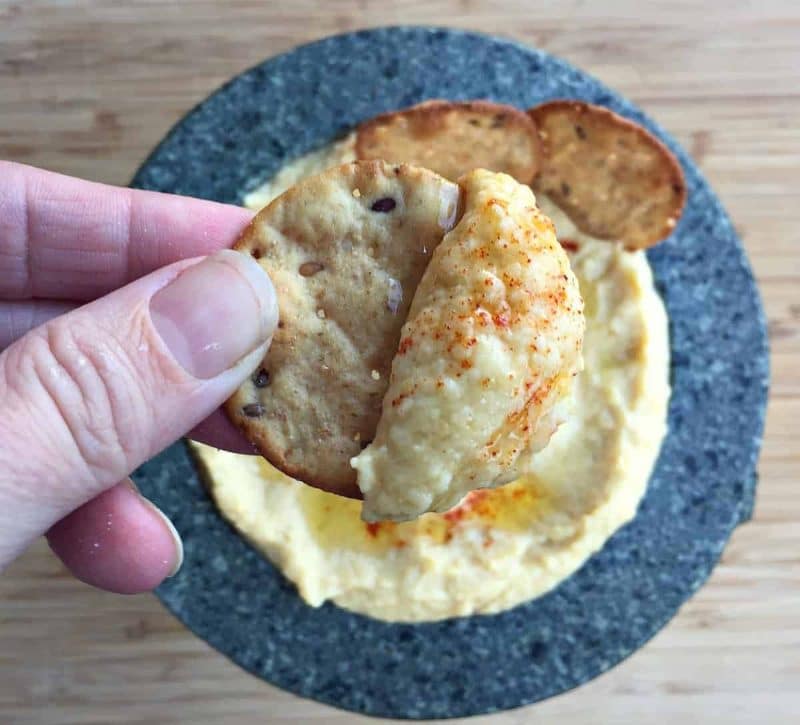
<point x="114" y="342"/>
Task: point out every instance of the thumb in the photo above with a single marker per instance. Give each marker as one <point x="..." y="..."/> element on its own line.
<point x="91" y="395"/>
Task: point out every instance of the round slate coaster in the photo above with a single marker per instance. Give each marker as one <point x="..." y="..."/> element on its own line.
<point x="702" y="487"/>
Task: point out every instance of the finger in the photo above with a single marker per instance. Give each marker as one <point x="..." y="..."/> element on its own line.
<point x="118" y="541"/>
<point x="64" y="238"/>
<point x="89" y="396"/>
<point x="19" y="318"/>
<point x="218" y="431"/>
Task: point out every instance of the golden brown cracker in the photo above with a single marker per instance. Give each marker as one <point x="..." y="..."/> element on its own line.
<point x="612" y="177"/>
<point x="345" y="250"/>
<point x="452" y="138"/>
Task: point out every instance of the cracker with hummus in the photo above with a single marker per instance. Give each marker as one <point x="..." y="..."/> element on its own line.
<point x="612" y="177"/>
<point x="490" y="348"/>
<point x="452" y="138"/>
<point x="345" y="250"/>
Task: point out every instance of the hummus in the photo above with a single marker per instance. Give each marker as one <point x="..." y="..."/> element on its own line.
<point x="499" y="547"/>
<point x="489" y="350"/>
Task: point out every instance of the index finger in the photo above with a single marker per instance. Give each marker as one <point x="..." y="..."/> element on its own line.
<point x="69" y="239"/>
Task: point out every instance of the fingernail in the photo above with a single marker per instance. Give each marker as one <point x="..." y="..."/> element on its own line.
<point x="215" y="312"/>
<point x="176" y="537"/>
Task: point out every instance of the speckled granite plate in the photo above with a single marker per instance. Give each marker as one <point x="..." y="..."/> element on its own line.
<point x="703" y="485"/>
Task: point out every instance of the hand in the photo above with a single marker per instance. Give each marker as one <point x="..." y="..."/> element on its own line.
<point x="87" y="393"/>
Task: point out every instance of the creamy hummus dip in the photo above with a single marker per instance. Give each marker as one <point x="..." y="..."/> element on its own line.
<point x="499" y="547"/>
<point x="488" y="354"/>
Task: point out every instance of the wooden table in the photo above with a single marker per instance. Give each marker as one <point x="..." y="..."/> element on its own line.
<point x="87" y="87"/>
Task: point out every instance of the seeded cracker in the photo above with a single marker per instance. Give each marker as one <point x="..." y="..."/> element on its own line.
<point x="453" y="138"/>
<point x="612" y="177"/>
<point x="345" y="267"/>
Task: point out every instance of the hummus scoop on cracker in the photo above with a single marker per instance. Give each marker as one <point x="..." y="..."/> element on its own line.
<point x="491" y="345"/>
<point x="437" y="339"/>
<point x="345" y="250"/>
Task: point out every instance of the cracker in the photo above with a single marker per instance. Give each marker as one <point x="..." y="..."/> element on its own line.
<point x="345" y="250"/>
<point x="452" y="138"/>
<point x="612" y="177"/>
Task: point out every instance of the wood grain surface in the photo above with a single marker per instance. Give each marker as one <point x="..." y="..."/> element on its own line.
<point x="87" y="87"/>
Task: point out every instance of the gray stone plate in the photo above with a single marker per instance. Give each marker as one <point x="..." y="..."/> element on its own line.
<point x="702" y="487"/>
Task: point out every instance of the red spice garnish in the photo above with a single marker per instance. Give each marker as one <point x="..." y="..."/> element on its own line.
<point x="405" y="345"/>
<point x="399" y="399"/>
<point x="373" y="528"/>
<point x="570" y="245"/>
<point x="454" y="515"/>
